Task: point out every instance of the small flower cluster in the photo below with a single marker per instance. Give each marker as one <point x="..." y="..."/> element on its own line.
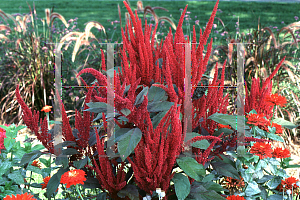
<point x="264" y="150"/>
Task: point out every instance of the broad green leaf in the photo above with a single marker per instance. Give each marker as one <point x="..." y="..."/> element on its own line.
<point x="4" y="166"/>
<point x="252" y="189"/>
<point x="265" y="178"/>
<point x="28" y="157"/>
<point x="140" y="97"/>
<point x="157" y="118"/>
<point x="156" y="94"/>
<point x="81" y="163"/>
<point x="232" y="121"/>
<point x="34" y="169"/>
<point x="201" y="144"/>
<point x="9" y="143"/>
<point x="284" y="123"/>
<point x="208" y="178"/>
<point x="182" y="185"/>
<point x="275" y="197"/>
<point x="275" y="137"/>
<point x="273" y="183"/>
<point x="191" y="167"/>
<point x="62" y="160"/>
<point x="259" y="131"/>
<point x="128" y="142"/>
<point x="70" y="151"/>
<point x="225" y="169"/>
<point x="54" y="182"/>
<point x="91" y="182"/>
<point x="159" y="106"/>
<point x="38" y="147"/>
<point x="126" y="111"/>
<point x="17" y="177"/>
<point x="199" y="192"/>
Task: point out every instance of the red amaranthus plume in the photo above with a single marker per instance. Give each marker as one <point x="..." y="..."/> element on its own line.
<point x="31" y="121"/>
<point x="256" y="99"/>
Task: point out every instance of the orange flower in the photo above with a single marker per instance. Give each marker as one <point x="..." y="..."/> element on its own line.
<point x="257" y="120"/>
<point x="233" y="197"/>
<point x="223" y="126"/>
<point x="289" y="183"/>
<point x="36" y="164"/>
<point x="275" y="99"/>
<point x="20" y="197"/>
<point x="262" y="150"/>
<point x="281" y="153"/>
<point x="73" y="177"/>
<point x="46" y="108"/>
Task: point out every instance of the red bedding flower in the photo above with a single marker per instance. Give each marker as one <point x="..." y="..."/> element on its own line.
<point x="262" y="150"/>
<point x="281" y="153"/>
<point x="257" y="120"/>
<point x="235" y="197"/>
<point x="73" y="177"/>
<point x="20" y="197"/>
<point x="275" y="99"/>
<point x="289" y="183"/>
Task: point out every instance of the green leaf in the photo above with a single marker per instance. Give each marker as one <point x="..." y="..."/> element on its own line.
<point x="182" y="185"/>
<point x="284" y="123"/>
<point x="128" y="142"/>
<point x="259" y="131"/>
<point x="98" y="107"/>
<point x="91" y="183"/>
<point x="199" y="192"/>
<point x="225" y="169"/>
<point x="252" y="189"/>
<point x="46" y="162"/>
<point x="156" y="94"/>
<point x="28" y="157"/>
<point x="140" y="97"/>
<point x="213" y="186"/>
<point x="34" y="169"/>
<point x="157" y="118"/>
<point x="208" y="178"/>
<point x="226" y="131"/>
<point x="17" y="177"/>
<point x="38" y="147"/>
<point x="126" y="111"/>
<point x="191" y="167"/>
<point x="9" y="143"/>
<point x="201" y="144"/>
<point x="54" y="182"/>
<point x="275" y="197"/>
<point x="275" y="137"/>
<point x="62" y="160"/>
<point x="4" y="166"/>
<point x="159" y="106"/>
<point x="70" y="151"/>
<point x="232" y="121"/>
<point x="81" y="163"/>
<point x="130" y="191"/>
<point x="272" y="184"/>
<point x="265" y="178"/>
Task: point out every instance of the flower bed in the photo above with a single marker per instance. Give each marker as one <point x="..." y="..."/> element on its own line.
<point x="151" y="154"/>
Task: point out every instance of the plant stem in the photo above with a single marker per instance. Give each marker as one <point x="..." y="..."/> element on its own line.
<point x="78" y="191"/>
<point x="273" y="115"/>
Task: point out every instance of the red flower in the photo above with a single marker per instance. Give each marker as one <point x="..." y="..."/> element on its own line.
<point x="281" y="153"/>
<point x="278" y="128"/>
<point x="262" y="150"/>
<point x="46" y="180"/>
<point x="235" y="197"/>
<point x="46" y="108"/>
<point x="73" y="177"/>
<point x="20" y="197"/>
<point x="257" y="120"/>
<point x="2" y="136"/>
<point x="36" y="164"/>
<point x="275" y="99"/>
<point x="223" y="126"/>
<point x="289" y="183"/>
